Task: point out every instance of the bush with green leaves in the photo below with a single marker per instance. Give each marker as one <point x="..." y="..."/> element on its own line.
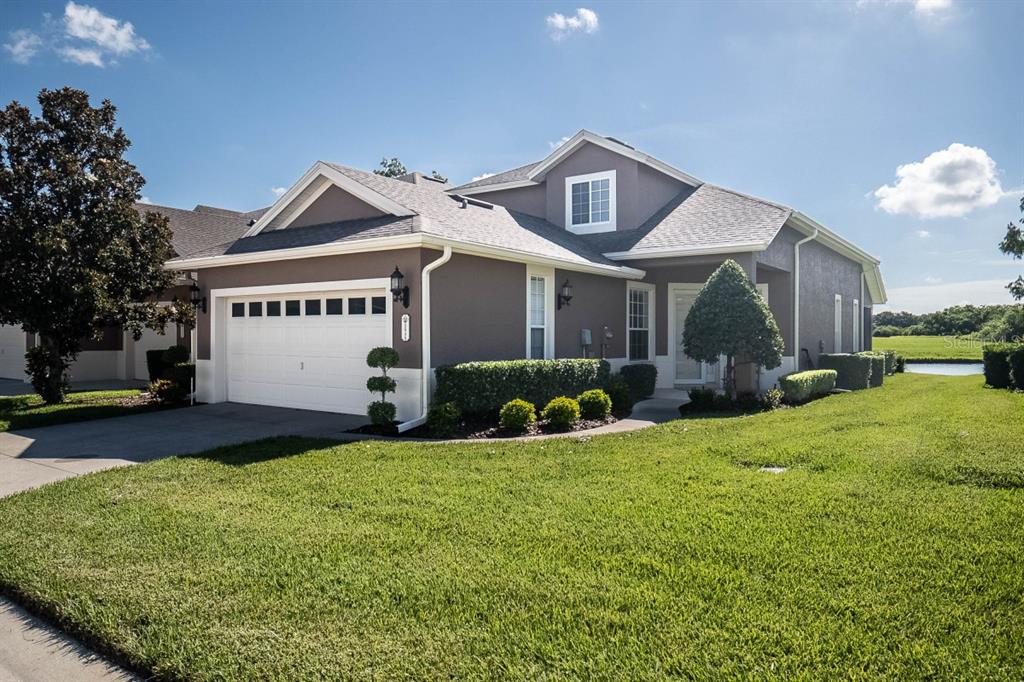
<point x="40" y="366"/>
<point x="160" y="361"/>
<point x="594" y="404"/>
<point x="701" y="398"/>
<point x="800" y="387"/>
<point x="996" y="360"/>
<point x="729" y="317"/>
<point x="853" y="372"/>
<point x="618" y="391"/>
<point x="517" y="415"/>
<point x="900" y="365"/>
<point x="877" y="367"/>
<point x="168" y="392"/>
<point x="442" y="419"/>
<point x="1016" y="362"/>
<point x="641" y="379"/>
<point x="480" y="388"/>
<point x="561" y="413"/>
<point x="772" y="399"/>
<point x="382" y="412"/>
<point x="890" y="361"/>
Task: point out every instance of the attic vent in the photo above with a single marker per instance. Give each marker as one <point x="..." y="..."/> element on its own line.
<point x="252" y="221"/>
<point x="608" y="137"/>
<point x="469" y="201"/>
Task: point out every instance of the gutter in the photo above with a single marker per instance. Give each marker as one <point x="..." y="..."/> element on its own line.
<point x="425" y="340"/>
<point x="796" y="295"/>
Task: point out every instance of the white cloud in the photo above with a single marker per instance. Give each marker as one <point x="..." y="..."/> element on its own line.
<point x="561" y="26"/>
<point x="145" y="200"/>
<point x="948" y="183"/>
<point x="82" y="55"/>
<point x="481" y="176"/>
<point x="932" y="280"/>
<point x="278" y="191"/>
<point x="923" y="234"/>
<point x="932" y="7"/>
<point x="23" y="46"/>
<point x="931" y="297"/>
<point x="110" y="35"/>
<point x="559" y="143"/>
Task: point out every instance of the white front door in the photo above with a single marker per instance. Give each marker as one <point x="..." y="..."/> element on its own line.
<point x="305" y="350"/>
<point x="687" y="370"/>
<point x="12" y="352"/>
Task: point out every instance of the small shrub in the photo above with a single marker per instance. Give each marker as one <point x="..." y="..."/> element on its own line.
<point x="381" y="384"/>
<point x="900" y="365"/>
<point x="168" y="392"/>
<point x="996" y="358"/>
<point x="1016" y="361"/>
<point x="772" y="399"/>
<point x="442" y="418"/>
<point x="877" y="368"/>
<point x="890" y="361"/>
<point x="48" y="373"/>
<point x="748" y="400"/>
<point x="853" y="372"/>
<point x="641" y="379"/>
<point x="723" y="403"/>
<point x="618" y="390"/>
<point x="381" y="412"/>
<point x="701" y="398"/>
<point x="517" y="415"/>
<point x="175" y="355"/>
<point x="561" y="413"/>
<point x="800" y="387"/>
<point x="594" y="404"/>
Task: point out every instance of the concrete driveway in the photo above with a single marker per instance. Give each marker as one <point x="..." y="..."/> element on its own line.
<point x="34" y="457"/>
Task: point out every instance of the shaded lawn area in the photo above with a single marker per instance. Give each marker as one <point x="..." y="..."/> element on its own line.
<point x="931" y="347"/>
<point x="890" y="548"/>
<point x="29" y="411"/>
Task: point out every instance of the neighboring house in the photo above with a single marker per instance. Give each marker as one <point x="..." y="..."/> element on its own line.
<point x="293" y="304"/>
<point x="117" y="355"/>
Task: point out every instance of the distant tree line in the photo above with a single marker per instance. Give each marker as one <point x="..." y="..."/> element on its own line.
<point x="994" y="322"/>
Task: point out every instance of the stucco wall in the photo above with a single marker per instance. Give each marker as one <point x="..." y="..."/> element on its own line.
<point x="326" y="269"/>
<point x="528" y="200"/>
<point x="823" y="274"/>
<point x="333" y="205"/>
<point x="596" y="302"/>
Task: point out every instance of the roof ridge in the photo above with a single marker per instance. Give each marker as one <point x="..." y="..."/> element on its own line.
<point x="767" y="202"/>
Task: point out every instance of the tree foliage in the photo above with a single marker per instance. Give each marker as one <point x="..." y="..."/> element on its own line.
<point x="391" y="168"/>
<point x="437" y="176"/>
<point x="77" y="256"/>
<point x="989" y="321"/>
<point x="1013" y="245"/>
<point x="729" y="317"/>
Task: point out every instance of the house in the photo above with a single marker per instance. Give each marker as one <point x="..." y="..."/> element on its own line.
<point x="597" y="250"/>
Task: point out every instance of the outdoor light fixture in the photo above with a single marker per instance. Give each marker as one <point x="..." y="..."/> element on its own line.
<point x="399" y="292"/>
<point x="565" y="295"/>
<point x="195" y="296"/>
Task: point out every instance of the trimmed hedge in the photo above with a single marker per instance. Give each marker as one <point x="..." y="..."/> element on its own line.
<point x="618" y="390"/>
<point x="800" y="387"/>
<point x="996" y="357"/>
<point x="877" y="367"/>
<point x="641" y="379"/>
<point x="853" y="372"/>
<point x="890" y="361"/>
<point x="483" y="387"/>
<point x="1016" y="359"/>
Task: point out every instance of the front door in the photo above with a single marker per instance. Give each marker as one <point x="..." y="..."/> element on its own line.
<point x="687" y="370"/>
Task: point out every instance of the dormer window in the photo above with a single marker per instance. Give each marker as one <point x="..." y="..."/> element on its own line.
<point x="590" y="202"/>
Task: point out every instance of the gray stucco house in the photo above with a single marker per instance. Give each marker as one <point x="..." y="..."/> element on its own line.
<point x="297" y="293"/>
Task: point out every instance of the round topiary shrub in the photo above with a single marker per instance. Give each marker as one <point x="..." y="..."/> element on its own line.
<point x="618" y="390"/>
<point x="594" y="404"/>
<point x="442" y="419"/>
<point x="561" y="413"/>
<point x="381" y="412"/>
<point x="517" y="415"/>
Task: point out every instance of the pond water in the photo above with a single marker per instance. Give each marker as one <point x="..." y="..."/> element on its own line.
<point x="950" y="368"/>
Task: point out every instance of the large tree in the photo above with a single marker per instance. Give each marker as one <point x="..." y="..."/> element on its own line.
<point x="729" y="317"/>
<point x="1013" y="245"/>
<point x="75" y="255"/>
<point x="391" y="168"/>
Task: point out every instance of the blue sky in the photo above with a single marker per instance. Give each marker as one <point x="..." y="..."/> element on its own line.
<point x="812" y="104"/>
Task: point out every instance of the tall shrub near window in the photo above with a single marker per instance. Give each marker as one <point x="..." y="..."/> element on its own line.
<point x="729" y="317"/>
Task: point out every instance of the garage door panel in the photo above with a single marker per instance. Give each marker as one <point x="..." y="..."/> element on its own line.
<point x="313" y="362"/>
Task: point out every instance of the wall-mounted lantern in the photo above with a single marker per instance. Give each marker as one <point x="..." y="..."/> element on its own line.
<point x="195" y="296"/>
<point x="398" y="291"/>
<point x="565" y="295"/>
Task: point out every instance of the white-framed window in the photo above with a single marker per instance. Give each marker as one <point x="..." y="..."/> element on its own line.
<point x="540" y="313"/>
<point x="640" y="323"/>
<point x="590" y="202"/>
<point x="838" y="342"/>
<point x="857" y="340"/>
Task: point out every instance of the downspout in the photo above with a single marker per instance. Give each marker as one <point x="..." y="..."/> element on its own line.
<point x="796" y="298"/>
<point x="860" y="314"/>
<point x="425" y="339"/>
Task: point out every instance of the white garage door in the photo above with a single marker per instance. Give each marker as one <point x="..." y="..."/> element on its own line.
<point x="12" y="352"/>
<point x="305" y="350"/>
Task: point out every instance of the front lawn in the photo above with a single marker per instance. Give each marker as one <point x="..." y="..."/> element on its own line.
<point x="890" y="548"/>
<point x="931" y="348"/>
<point x="29" y="411"/>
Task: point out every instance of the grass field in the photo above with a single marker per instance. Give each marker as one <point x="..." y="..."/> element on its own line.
<point x="29" y="411"/>
<point x="931" y="348"/>
<point x="890" y="548"/>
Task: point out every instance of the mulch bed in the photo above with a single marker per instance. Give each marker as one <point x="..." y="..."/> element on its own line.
<point x="480" y="430"/>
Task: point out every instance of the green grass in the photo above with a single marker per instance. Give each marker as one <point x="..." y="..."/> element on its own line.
<point x="29" y="411"/>
<point x="891" y="548"/>
<point x="932" y="348"/>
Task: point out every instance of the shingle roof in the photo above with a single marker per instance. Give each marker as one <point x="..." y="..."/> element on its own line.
<point x="708" y="216"/>
<point x="203" y="227"/>
<point x="513" y="175"/>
